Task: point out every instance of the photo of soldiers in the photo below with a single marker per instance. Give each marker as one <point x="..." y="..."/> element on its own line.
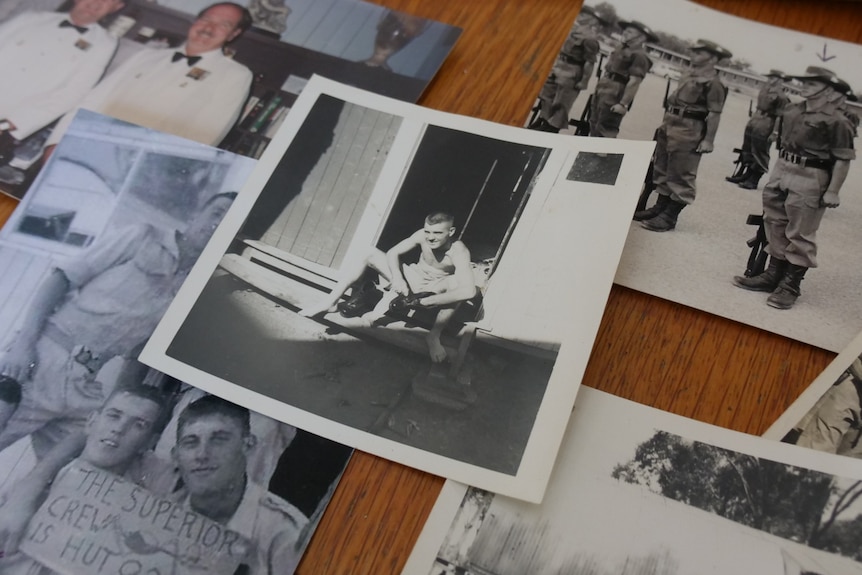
<point x="692" y="114"/>
<point x="616" y="90"/>
<point x="815" y="150"/>
<point x="571" y="72"/>
<point x="724" y="237"/>
<point x="760" y="132"/>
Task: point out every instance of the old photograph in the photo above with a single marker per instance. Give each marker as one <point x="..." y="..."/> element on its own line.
<point x="88" y="263"/>
<point x="748" y="211"/>
<point x="828" y="415"/>
<point x="221" y="73"/>
<point x="659" y="495"/>
<point x="394" y="280"/>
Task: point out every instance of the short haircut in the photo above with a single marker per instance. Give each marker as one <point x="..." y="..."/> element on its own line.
<point x="10" y="390"/>
<point x="245" y="20"/>
<point x="150" y="393"/>
<point x="440" y="218"/>
<point x="213" y="405"/>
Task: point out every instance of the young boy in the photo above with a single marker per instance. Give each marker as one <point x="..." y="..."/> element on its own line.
<point x="441" y="279"/>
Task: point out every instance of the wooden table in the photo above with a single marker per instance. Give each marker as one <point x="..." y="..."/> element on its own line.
<point x="648" y="350"/>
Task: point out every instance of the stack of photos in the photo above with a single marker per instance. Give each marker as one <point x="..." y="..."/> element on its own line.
<point x="637" y="491"/>
<point x="217" y="73"/>
<point x="648" y="90"/>
<point x="107" y="465"/>
<point x="421" y="286"/>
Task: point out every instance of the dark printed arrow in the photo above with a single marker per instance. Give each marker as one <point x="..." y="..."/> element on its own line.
<point x="823" y="57"/>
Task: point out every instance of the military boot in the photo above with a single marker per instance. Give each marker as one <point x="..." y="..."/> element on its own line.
<point x="656" y="209"/>
<point x="739" y="177"/>
<point x="766" y="281"/>
<point x="752" y="180"/>
<point x="542" y="125"/>
<point x="666" y="220"/>
<point x="788" y="291"/>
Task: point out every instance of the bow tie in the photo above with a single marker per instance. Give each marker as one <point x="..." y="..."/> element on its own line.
<point x="192" y="60"/>
<point x="80" y="29"/>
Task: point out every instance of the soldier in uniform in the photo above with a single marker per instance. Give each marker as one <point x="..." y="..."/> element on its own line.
<point x="815" y="150"/>
<point x="692" y="113"/>
<point x="760" y="132"/>
<point x="570" y="74"/>
<point x="627" y="67"/>
<point x="214" y="441"/>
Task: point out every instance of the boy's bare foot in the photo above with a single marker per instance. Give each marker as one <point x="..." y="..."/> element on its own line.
<point x="435" y="348"/>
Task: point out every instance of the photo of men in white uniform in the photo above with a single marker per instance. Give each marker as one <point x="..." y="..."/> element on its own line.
<point x="194" y="92"/>
<point x="49" y="61"/>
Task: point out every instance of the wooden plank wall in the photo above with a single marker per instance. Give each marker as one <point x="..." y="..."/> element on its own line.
<point x="21" y="272"/>
<point x="507" y="546"/>
<point x="319" y="223"/>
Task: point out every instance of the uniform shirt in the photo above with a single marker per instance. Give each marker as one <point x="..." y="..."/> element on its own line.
<point x="124" y="284"/>
<point x="273" y="525"/>
<point x="627" y="62"/>
<point x="699" y="93"/>
<point x="821" y="133"/>
<point x="46" y="69"/>
<point x="272" y="438"/>
<point x="200" y="102"/>
<point x="580" y="48"/>
<point x="771" y="100"/>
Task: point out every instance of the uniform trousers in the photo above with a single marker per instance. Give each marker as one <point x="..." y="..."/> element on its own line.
<point x="755" y="141"/>
<point x="559" y="93"/>
<point x="603" y="122"/>
<point x="792" y="212"/>
<point x="676" y="162"/>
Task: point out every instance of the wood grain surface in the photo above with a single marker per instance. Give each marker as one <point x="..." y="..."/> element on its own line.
<point x="648" y="350"/>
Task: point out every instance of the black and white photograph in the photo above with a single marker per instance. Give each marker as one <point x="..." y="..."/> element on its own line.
<point x="399" y="280"/>
<point x="221" y="73"/>
<point x="88" y="263"/>
<point x="828" y="415"/>
<point x="748" y="211"/>
<point x="660" y="494"/>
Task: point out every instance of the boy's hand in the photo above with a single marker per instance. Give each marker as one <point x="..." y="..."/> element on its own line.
<point x="400" y="286"/>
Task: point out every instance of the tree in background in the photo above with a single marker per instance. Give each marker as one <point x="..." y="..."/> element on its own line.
<point x="787" y="501"/>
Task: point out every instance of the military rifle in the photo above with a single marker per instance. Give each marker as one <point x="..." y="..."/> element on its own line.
<point x="582" y="126"/>
<point x="757" y="257"/>
<point x="649" y="184"/>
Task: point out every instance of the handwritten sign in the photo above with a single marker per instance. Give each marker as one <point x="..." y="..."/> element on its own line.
<point x="94" y="522"/>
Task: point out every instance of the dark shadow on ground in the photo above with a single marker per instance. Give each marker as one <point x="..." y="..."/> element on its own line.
<point x="243" y="336"/>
